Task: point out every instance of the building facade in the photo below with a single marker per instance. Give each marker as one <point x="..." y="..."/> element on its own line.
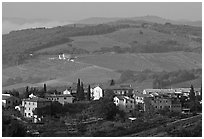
<point x="125" y="103"/>
<point x="9" y="101"/>
<point x="97" y="93"/>
<point x="30" y="104"/>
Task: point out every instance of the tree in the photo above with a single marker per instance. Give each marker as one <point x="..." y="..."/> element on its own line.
<point x="112" y="82"/>
<point x="78" y="90"/>
<point x="26" y="94"/>
<point x="45" y="88"/>
<point x="14" y="93"/>
<point x="105" y="108"/>
<point x="81" y="92"/>
<point x="192" y="94"/>
<point x="89" y="93"/>
<point x="12" y="128"/>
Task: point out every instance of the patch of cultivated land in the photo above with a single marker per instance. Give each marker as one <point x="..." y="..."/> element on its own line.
<point x="141" y="61"/>
<point x="57" y="72"/>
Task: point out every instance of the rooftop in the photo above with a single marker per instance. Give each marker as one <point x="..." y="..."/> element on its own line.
<point x="59" y="95"/>
<point x="36" y="99"/>
<point x="141" y="95"/>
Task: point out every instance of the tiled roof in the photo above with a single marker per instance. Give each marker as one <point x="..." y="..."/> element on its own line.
<point x="6" y="97"/>
<point x="36" y="99"/>
<point x="159" y="90"/>
<point x="61" y="95"/>
<point x="142" y="95"/>
<point x="115" y="87"/>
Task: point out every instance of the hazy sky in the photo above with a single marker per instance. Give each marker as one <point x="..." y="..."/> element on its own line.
<point x="76" y="11"/>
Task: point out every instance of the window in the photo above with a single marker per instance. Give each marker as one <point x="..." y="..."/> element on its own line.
<point x="29" y="103"/>
<point x="57" y="98"/>
<point x="65" y="98"/>
<point x="25" y="114"/>
<point x="160" y="107"/>
<point x="16" y="101"/>
<point x="28" y="108"/>
<point x="25" y="102"/>
<point x="28" y="114"/>
<point x="155" y="106"/>
<point x="9" y="102"/>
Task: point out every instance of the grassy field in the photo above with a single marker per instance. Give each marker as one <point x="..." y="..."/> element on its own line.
<point x="139" y="62"/>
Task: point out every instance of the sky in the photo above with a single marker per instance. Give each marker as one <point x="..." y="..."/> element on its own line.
<point x="76" y="11"/>
<point x="51" y="14"/>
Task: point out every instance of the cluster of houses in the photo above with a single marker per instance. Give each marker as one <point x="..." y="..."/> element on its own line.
<point x="126" y="98"/>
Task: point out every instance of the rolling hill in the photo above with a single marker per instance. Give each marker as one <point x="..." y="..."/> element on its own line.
<point x="27" y="53"/>
<point x="148" y="18"/>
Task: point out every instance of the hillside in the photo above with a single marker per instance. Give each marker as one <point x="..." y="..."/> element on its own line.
<point x="31" y="40"/>
<point x="55" y="72"/>
<point x="139" y="62"/>
<point x="30" y="57"/>
<point x="139" y="40"/>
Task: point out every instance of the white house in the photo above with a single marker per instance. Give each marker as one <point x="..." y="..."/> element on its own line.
<point x="97" y="93"/>
<point x="30" y="104"/>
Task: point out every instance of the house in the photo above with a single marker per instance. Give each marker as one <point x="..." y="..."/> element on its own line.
<point x="140" y="100"/>
<point x="176" y="105"/>
<point x="124" y="103"/>
<point x="9" y="101"/>
<point x="97" y="93"/>
<point x="124" y="90"/>
<point x="30" y="104"/>
<point x="64" y="98"/>
<point x="162" y="101"/>
<point x="139" y="97"/>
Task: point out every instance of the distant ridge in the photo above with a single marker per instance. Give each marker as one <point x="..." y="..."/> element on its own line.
<point x="148" y="18"/>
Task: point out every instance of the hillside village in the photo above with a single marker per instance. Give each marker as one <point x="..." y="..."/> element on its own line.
<point x="112" y="101"/>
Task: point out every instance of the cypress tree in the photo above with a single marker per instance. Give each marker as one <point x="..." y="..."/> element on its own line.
<point x="26" y="94"/>
<point x="112" y="82"/>
<point x="45" y="88"/>
<point x="192" y="94"/>
<point x="78" y="90"/>
<point x="89" y="93"/>
<point x="82" y="91"/>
